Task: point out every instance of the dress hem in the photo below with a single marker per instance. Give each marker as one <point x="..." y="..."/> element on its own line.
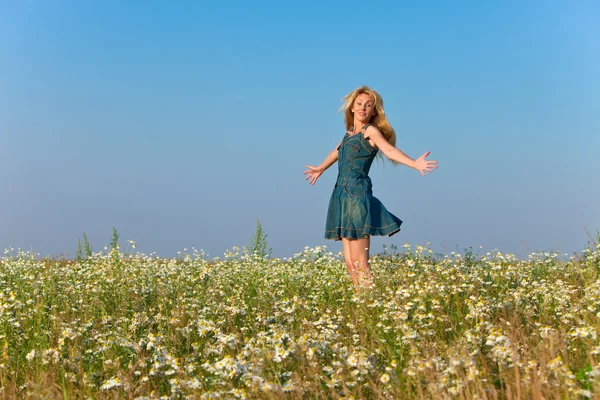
<point x="349" y="233"/>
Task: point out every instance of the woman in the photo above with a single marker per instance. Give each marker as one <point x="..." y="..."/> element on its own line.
<point x="354" y="215"/>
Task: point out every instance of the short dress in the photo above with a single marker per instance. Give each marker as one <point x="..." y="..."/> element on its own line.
<point x="353" y="211"/>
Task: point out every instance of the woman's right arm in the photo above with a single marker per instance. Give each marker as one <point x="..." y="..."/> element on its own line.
<point x="330" y="159"/>
<point x="314" y="172"/>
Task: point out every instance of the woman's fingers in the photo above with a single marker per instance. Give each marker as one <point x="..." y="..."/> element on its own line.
<point x="310" y="171"/>
<point x="424" y="165"/>
<point x="312" y="174"/>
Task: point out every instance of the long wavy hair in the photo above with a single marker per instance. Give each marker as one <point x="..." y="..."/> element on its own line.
<point x="379" y="119"/>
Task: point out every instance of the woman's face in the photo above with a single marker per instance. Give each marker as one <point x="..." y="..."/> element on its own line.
<point x="363" y="108"/>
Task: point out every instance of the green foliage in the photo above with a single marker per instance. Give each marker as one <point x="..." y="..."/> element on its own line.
<point x="391" y="252"/>
<point x="114" y="240"/>
<point x="79" y="253"/>
<point x="583" y="376"/>
<point x="470" y="257"/>
<point x="258" y="242"/>
<point x="87" y="246"/>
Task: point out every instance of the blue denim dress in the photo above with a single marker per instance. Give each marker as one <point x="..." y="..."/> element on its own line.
<point x="353" y="211"/>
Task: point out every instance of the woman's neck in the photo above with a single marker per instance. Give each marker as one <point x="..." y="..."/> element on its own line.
<point x="358" y="125"/>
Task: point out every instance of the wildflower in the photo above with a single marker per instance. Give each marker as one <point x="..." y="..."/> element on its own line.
<point x="473" y="372"/>
<point x="239" y="393"/>
<point x="555" y="363"/>
<point x="545" y="331"/>
<point x="111" y="383"/>
<point x="31" y="355"/>
<point x="583" y="332"/>
<point x="288" y="387"/>
<point x="385" y="378"/>
<point x="50" y="356"/>
<point x="266" y="387"/>
<point x="193" y="383"/>
<point x="352" y="361"/>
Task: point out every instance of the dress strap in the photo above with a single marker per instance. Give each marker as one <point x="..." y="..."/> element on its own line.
<point x="362" y="130"/>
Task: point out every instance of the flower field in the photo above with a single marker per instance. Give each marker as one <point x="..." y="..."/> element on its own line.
<point x="120" y="325"/>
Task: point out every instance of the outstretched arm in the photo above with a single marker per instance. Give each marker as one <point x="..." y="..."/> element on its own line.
<point x="314" y="172"/>
<point x="395" y="154"/>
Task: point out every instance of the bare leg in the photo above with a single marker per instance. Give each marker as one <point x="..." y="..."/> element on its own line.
<point x="352" y="269"/>
<point x="359" y="252"/>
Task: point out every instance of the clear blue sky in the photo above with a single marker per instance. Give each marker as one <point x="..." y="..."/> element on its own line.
<point x="182" y="123"/>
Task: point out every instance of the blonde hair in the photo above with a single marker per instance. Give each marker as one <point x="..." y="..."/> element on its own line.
<point x="379" y="119"/>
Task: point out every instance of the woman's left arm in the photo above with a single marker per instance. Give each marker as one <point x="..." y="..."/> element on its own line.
<point x="393" y="153"/>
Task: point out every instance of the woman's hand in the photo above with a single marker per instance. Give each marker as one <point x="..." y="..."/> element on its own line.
<point x="313" y="173"/>
<point x="422" y="165"/>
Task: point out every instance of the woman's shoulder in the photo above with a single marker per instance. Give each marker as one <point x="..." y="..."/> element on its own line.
<point x="371" y="129"/>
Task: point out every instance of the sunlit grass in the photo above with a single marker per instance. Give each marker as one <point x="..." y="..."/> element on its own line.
<point x="132" y="325"/>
